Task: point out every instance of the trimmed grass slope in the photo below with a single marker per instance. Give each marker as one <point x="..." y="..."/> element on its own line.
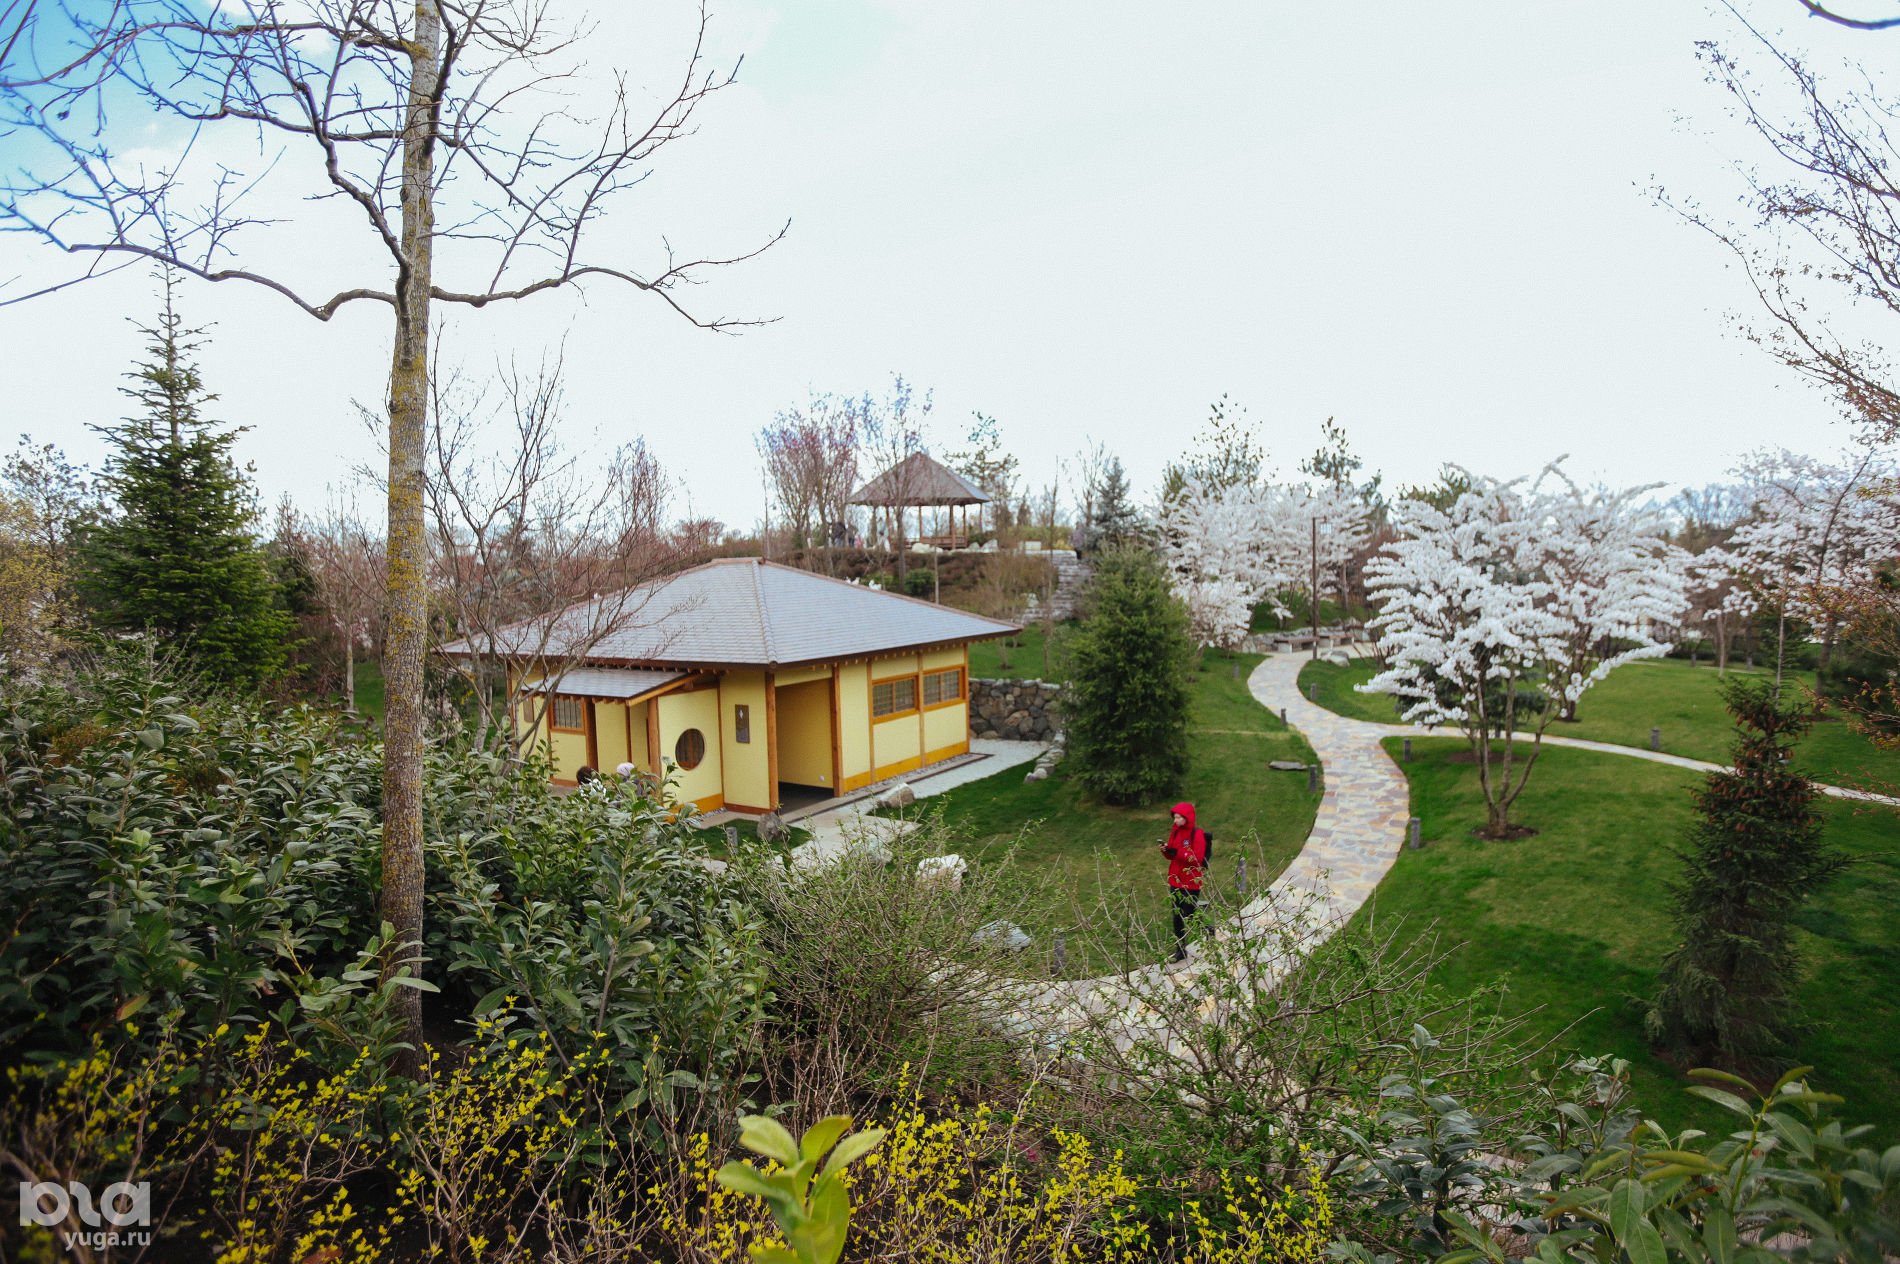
<point x="1576" y="919"/>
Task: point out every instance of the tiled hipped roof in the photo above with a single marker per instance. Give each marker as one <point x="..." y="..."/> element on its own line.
<point x="919" y="479"/>
<point x="744" y="612"/>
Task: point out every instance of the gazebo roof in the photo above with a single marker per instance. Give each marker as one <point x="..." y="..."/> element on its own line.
<point x="919" y="479"/>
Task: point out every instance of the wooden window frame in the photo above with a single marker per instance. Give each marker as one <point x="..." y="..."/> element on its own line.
<point x="703" y="748"/>
<point x="554" y="713"/>
<point x="916" y="696"/>
<point x="943" y="702"/>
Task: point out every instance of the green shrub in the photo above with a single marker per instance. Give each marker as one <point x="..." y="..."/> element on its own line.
<point x="1754" y="853"/>
<point x="1602" y="1182"/>
<point x="1125" y="710"/>
<point x="875" y="968"/>
<point x="214" y="866"/>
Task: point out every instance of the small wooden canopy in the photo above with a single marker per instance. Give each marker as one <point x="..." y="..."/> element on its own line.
<point x="919" y="479"/>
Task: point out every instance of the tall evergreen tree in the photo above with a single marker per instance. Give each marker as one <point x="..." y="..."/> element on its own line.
<point x="1126" y="705"/>
<point x="179" y="556"/>
<point x="1116" y="521"/>
<point x="1754" y="853"/>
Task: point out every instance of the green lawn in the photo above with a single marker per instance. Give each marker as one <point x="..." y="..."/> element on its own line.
<point x="1249" y="809"/>
<point x="1683" y="701"/>
<point x="369" y="689"/>
<point x="1331" y="686"/>
<point x="1022" y="661"/>
<point x="1576" y="918"/>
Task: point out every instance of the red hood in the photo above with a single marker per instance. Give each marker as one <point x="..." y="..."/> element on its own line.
<point x="1184" y="809"/>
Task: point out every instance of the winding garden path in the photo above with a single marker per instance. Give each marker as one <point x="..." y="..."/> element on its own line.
<point x="1362" y="816"/>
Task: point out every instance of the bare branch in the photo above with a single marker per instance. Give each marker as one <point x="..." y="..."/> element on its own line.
<point x="1858" y="24"/>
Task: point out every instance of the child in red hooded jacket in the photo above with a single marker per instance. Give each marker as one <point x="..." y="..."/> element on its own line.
<point x="1186" y="850"/>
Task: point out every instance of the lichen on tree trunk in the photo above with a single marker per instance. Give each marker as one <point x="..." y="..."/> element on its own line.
<point x="407" y="597"/>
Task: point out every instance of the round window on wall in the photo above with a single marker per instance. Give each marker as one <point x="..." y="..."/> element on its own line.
<point x="690" y="749"/>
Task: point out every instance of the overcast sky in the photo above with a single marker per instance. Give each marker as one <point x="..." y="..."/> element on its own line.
<point x="1432" y="222"/>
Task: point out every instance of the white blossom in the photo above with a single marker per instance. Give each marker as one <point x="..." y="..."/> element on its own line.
<point x="1232" y="548"/>
<point x="1544" y="587"/>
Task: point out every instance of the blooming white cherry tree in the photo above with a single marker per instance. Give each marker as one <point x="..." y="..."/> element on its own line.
<point x="1498" y="614"/>
<point x="1215" y="543"/>
<point x="1719" y="593"/>
<point x="1612" y="578"/>
<point x="1818" y="527"/>
<point x="1232" y="547"/>
<point x="1316" y="531"/>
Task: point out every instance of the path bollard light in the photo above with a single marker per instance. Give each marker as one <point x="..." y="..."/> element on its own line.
<point x="1062" y="956"/>
<point x="1236" y="671"/>
<point x="1240" y="876"/>
<point x="1312" y="692"/>
<point x="732" y="839"/>
<point x="1312" y="778"/>
<point x="1655" y="739"/>
<point x="1407" y="748"/>
<point x="1412" y="839"/>
<point x="1283" y="715"/>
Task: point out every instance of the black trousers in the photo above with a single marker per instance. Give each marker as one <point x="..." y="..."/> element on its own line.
<point x="1186" y="904"/>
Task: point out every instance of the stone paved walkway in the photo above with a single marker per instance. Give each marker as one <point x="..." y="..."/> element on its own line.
<point x="1362" y="817"/>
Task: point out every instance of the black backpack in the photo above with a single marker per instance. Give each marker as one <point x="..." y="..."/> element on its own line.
<point x="1207" y="849"/>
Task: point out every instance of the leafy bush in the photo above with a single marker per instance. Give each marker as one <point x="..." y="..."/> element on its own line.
<point x="1186" y="1072"/>
<point x="874" y="967"/>
<point x="215" y="864"/>
<point x="1126" y="707"/>
<point x="1599" y="1181"/>
<point x="980" y="1184"/>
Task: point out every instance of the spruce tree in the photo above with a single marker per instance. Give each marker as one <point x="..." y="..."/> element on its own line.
<point x="1754" y="853"/>
<point x="179" y="557"/>
<point x="1116" y="521"/>
<point x="1125" y="708"/>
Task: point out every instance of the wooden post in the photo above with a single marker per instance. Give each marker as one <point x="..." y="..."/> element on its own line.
<point x="1315" y="593"/>
<point x="771" y="741"/>
<point x="837" y="738"/>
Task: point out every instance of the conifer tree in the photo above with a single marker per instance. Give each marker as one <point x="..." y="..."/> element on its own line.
<point x="1116" y="521"/>
<point x="179" y="556"/>
<point x="1753" y="854"/>
<point x="1126" y="706"/>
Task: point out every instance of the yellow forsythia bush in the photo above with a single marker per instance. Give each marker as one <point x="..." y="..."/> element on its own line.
<point x="484" y="1171"/>
<point x="968" y="1189"/>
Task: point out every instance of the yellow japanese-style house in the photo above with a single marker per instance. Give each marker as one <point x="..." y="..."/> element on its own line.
<point x="744" y="682"/>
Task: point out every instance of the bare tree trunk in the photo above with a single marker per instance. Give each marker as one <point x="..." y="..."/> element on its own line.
<point x="403" y="721"/>
<point x="349" y="674"/>
<point x="1721" y="644"/>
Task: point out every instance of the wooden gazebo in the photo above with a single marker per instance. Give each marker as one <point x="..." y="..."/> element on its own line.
<point x="920" y="482"/>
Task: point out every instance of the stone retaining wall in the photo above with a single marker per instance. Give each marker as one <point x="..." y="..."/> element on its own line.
<point x="1015" y="710"/>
